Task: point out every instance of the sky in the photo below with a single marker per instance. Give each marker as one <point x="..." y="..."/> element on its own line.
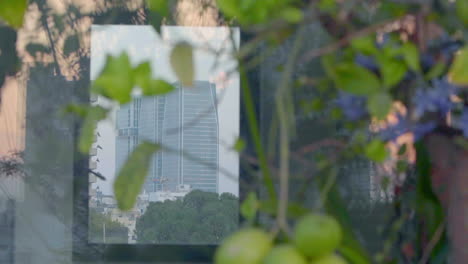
<point x="143" y="43"/>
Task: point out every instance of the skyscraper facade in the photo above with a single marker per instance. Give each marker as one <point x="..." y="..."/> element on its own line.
<point x="186" y="123"/>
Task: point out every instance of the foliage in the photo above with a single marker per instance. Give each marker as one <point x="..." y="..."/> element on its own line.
<point x="391" y="69"/>
<point x="12" y="12"/>
<point x="182" y="63"/>
<point x="199" y="218"/>
<point x="131" y="177"/>
<point x="114" y="231"/>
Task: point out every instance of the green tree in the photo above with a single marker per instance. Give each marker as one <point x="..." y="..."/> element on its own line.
<point x="199" y="218"/>
<point x="115" y="232"/>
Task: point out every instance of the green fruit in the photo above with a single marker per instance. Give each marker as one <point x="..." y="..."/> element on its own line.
<point x="317" y="235"/>
<point x="330" y="259"/>
<point x="247" y="246"/>
<point x="284" y="254"/>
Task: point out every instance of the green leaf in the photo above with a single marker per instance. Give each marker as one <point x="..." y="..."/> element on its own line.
<point x="461" y="8"/>
<point x="158" y="11"/>
<point x="157" y="87"/>
<point x="79" y="110"/>
<point x="392" y="70"/>
<point x="327" y="6"/>
<point x="366" y="45"/>
<point x="142" y="74"/>
<point x="294" y="210"/>
<point x="239" y="146"/>
<point x="231" y="8"/>
<point x="411" y="56"/>
<point x="131" y="177"/>
<point x="376" y="150"/>
<point x="250" y="207"/>
<point x="379" y="105"/>
<point x="12" y="12"/>
<point x="160" y="6"/>
<point x="292" y="14"/>
<point x="458" y="73"/>
<point x="182" y="63"/>
<point x="328" y="62"/>
<point x="93" y="115"/>
<point x="437" y="70"/>
<point x="352" y="255"/>
<point x="116" y="80"/>
<point x="402" y="150"/>
<point x="355" y="79"/>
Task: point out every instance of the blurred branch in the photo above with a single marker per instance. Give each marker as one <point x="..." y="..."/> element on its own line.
<point x="347" y="39"/>
<point x="432" y="243"/>
<point x="284" y="122"/>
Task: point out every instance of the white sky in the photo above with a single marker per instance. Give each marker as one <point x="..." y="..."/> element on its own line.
<point x="142" y="43"/>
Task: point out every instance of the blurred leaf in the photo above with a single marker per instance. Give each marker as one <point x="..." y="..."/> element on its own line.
<point x="239" y="146"/>
<point x="461" y="8"/>
<point x="158" y="11"/>
<point x="294" y="210"/>
<point x="79" y="110"/>
<point x="12" y="12"/>
<point x="351" y="248"/>
<point x="327" y="6"/>
<point x="402" y="150"/>
<point x="392" y="70"/>
<point x="355" y="79"/>
<point x="292" y="14"/>
<point x="379" y="105"/>
<point x="116" y="79"/>
<point x="376" y="150"/>
<point x="353" y="256"/>
<point x="160" y="6"/>
<point x="131" y="177"/>
<point x="427" y="203"/>
<point x="458" y="73"/>
<point x="93" y="115"/>
<point x="250" y="207"/>
<point x="229" y="7"/>
<point x="143" y="78"/>
<point x="401" y="166"/>
<point x="365" y="45"/>
<point x="437" y="70"/>
<point x="182" y="63"/>
<point x="157" y="87"/>
<point x="71" y="44"/>
<point x="411" y="56"/>
<point x="142" y="74"/>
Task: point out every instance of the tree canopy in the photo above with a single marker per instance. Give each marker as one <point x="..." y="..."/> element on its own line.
<point x="115" y="232"/>
<point x="199" y="218"/>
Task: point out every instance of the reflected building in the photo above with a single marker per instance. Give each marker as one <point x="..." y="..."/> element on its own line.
<point x="185" y="121"/>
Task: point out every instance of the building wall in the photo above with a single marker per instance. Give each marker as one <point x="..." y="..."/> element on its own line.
<point x="186" y="122"/>
<point x="191" y="126"/>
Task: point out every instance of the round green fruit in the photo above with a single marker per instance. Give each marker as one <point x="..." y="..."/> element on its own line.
<point x="330" y="259"/>
<point x="317" y="235"/>
<point x="284" y="254"/>
<point x="247" y="246"/>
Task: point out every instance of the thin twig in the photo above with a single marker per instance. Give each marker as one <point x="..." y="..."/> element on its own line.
<point x="432" y="243"/>
<point x="347" y="39"/>
<point x="282" y="112"/>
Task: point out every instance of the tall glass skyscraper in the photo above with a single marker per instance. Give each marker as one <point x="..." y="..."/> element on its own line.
<point x="186" y="122"/>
